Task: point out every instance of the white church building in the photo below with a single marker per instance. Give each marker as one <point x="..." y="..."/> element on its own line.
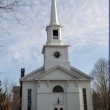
<point x="56" y="85"/>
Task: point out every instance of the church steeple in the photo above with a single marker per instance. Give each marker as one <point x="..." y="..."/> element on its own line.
<point x="54" y="16"/>
<point x="54" y="35"/>
<point x="55" y="53"/>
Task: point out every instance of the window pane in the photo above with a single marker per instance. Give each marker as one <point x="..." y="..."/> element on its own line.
<point x="55" y="32"/>
<point x="55" y="108"/>
<point x="84" y="99"/>
<point x="61" y="108"/>
<point x="29" y="99"/>
<point x="58" y="89"/>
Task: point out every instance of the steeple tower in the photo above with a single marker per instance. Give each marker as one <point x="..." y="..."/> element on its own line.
<point x="54" y="35"/>
<point x="55" y="53"/>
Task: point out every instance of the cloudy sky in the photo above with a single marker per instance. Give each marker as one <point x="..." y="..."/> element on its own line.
<point x="22" y="34"/>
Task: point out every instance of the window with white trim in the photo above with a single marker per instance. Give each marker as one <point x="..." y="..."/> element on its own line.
<point x="58" y="89"/>
<point x="55" y="34"/>
<point x="29" y="99"/>
<point x="84" y="98"/>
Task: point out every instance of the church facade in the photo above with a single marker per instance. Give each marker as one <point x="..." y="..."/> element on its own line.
<point x="56" y="85"/>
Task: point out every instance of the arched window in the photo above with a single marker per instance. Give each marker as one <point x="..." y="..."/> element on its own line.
<point x="55" y="108"/>
<point x="58" y="89"/>
<point x="61" y="108"/>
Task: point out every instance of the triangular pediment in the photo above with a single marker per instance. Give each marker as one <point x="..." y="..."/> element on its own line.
<point x="57" y="73"/>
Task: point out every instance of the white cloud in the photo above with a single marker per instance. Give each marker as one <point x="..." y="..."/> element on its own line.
<point x="85" y="24"/>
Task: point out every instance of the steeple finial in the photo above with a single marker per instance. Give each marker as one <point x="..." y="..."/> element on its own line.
<point x="54" y="16"/>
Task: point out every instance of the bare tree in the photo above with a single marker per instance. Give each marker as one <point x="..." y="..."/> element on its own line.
<point x="8" y="6"/>
<point x="6" y="95"/>
<point x="100" y="85"/>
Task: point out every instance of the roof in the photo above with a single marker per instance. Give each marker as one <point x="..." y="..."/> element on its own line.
<point x="39" y="73"/>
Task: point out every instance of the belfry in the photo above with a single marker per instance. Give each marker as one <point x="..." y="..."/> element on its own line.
<point x="56" y="85"/>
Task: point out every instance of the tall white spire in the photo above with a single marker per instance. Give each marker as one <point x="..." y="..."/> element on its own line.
<point x="54" y="16"/>
<point x="54" y="32"/>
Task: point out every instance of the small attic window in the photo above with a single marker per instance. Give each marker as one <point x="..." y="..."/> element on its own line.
<point x="55" y="34"/>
